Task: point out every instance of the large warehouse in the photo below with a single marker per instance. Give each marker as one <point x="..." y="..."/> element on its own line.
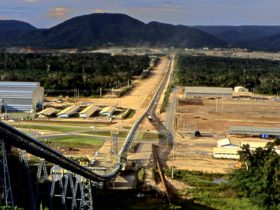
<point x="21" y="96"/>
<point x="208" y="92"/>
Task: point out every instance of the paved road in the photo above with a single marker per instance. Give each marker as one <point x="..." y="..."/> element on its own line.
<point x="160" y="126"/>
<point x="171" y="111"/>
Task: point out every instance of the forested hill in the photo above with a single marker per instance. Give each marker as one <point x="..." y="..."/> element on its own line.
<point x="112" y="29"/>
<point x="15" y="25"/>
<point x="107" y="29"/>
<point x="265" y="38"/>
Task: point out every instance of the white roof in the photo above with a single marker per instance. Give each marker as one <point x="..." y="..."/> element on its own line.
<point x="247" y="130"/>
<point x="209" y="90"/>
<point x="13" y="84"/>
<point x="223" y="142"/>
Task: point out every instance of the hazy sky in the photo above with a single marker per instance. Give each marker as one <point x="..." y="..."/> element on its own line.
<point x="47" y="13"/>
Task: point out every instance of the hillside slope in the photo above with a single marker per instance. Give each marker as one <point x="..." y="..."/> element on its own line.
<point x="114" y="29"/>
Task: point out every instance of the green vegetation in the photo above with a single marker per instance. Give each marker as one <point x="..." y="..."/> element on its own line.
<point x="204" y="191"/>
<point x="166" y="98"/>
<point x="150" y="135"/>
<point x="75" y="140"/>
<point x="128" y="113"/>
<point x="49" y="127"/>
<point x="259" y="176"/>
<point x="258" y="75"/>
<point x="122" y="134"/>
<point x="68" y="73"/>
<point x="141" y="175"/>
<point x="255" y="186"/>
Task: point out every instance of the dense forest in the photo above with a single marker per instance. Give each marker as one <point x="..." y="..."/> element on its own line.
<point x="63" y="73"/>
<point x="258" y="75"/>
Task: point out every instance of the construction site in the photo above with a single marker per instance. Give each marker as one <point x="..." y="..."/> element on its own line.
<point x="210" y="130"/>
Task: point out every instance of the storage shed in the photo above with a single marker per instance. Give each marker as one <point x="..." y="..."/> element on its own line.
<point x="88" y="111"/>
<point x="21" y="96"/>
<point x="48" y="112"/>
<point x="69" y="111"/>
<point x="208" y="92"/>
<point x="108" y="111"/>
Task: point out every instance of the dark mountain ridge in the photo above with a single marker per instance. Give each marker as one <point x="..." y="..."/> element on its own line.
<point x="247" y="36"/>
<point x="117" y="29"/>
<point x="95" y="30"/>
<point x="15" y="25"/>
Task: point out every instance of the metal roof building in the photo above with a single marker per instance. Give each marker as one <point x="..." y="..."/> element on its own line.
<point x="254" y="131"/>
<point x="108" y="111"/>
<point x="208" y="92"/>
<point x="48" y="112"/>
<point x="88" y="111"/>
<point x="226" y="153"/>
<point x="21" y="96"/>
<point x="69" y="111"/>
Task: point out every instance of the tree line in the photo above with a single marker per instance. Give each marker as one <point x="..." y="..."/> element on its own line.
<point x="59" y="72"/>
<point x="258" y="75"/>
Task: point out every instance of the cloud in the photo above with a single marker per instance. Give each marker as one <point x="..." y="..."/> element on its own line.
<point x="99" y="11"/>
<point x="58" y="12"/>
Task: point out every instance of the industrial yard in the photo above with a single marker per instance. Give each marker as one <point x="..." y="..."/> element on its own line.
<point x="80" y="127"/>
<point x="216" y="119"/>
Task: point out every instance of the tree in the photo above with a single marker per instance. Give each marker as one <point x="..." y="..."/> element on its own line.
<point x="259" y="176"/>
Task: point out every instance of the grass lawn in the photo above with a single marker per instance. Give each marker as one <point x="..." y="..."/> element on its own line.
<point x="50" y="127"/>
<point x="122" y="134"/>
<point x="148" y="136"/>
<point x="205" y="192"/>
<point x="151" y="135"/>
<point x="76" y="140"/>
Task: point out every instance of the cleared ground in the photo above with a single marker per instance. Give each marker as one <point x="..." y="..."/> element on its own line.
<point x="213" y="120"/>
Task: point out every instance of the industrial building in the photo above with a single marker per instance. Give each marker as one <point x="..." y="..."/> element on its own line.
<point x="226" y="153"/>
<point x="208" y="92"/>
<point x="108" y="111"/>
<point x="254" y="131"/>
<point x="226" y="150"/>
<point x="21" y="96"/>
<point x="254" y="145"/>
<point x="48" y="112"/>
<point x="69" y="111"/>
<point x="88" y="111"/>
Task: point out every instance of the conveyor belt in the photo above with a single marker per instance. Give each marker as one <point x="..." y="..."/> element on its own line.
<point x="22" y="141"/>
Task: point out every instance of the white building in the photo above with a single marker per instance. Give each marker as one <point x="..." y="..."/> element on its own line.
<point x="240" y="89"/>
<point x="21" y="96"/>
<point x="208" y="92"/>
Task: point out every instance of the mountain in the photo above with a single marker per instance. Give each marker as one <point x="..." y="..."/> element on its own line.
<point x="237" y="34"/>
<point x="269" y="43"/>
<point x="15" y="25"/>
<point x="116" y="29"/>
<point x="10" y="30"/>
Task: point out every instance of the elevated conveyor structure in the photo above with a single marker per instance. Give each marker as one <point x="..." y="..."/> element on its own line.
<point x="18" y="139"/>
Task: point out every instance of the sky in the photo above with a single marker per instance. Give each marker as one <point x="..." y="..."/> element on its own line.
<point x="48" y="13"/>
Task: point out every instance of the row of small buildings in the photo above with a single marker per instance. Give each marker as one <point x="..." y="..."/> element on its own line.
<point x="83" y="112"/>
